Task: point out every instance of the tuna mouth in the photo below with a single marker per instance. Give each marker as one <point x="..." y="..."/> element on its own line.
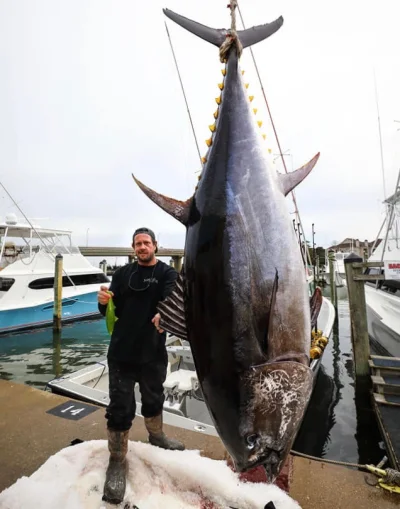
<point x="271" y="462"/>
<point x="271" y="465"/>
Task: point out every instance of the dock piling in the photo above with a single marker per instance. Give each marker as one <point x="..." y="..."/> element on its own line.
<point x="177" y="263"/>
<point x="358" y="314"/>
<point x="58" y="293"/>
<point x="332" y="280"/>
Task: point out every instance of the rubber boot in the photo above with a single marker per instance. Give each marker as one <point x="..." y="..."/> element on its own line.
<point x="114" y="487"/>
<point x="154" y="426"/>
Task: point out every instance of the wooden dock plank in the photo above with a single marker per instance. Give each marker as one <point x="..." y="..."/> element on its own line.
<point x="380" y="361"/>
<point x="387" y="399"/>
<point x="386" y="384"/>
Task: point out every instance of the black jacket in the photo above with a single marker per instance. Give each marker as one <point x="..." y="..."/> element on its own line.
<point x="137" y="290"/>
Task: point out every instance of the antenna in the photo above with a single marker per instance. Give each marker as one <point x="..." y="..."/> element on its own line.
<point x="380" y="137"/>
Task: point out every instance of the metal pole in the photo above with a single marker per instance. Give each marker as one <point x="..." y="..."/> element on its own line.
<point x="313" y="245"/>
<point x="332" y="278"/>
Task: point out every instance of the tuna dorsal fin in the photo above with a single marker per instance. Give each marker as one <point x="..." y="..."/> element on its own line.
<point x="176" y="208"/>
<point x="289" y="181"/>
<point x="271" y="310"/>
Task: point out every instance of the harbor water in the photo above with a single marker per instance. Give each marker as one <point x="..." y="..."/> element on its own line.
<point x="336" y="425"/>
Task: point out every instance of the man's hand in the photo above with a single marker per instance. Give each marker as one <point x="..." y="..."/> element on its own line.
<point x="156" y="321"/>
<point x="104" y="295"/>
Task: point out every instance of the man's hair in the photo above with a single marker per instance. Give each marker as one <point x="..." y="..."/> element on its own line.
<point x="145" y="231"/>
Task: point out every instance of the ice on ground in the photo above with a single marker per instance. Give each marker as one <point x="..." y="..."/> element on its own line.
<point x="157" y="479"/>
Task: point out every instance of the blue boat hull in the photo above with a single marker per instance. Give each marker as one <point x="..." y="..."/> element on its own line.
<point x="76" y="308"/>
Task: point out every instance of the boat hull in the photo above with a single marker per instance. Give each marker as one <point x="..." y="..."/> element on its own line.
<point x="78" y="307"/>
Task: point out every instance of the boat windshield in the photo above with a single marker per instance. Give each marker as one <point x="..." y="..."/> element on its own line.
<point x="21" y="241"/>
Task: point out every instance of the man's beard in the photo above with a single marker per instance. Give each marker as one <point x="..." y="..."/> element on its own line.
<point x="146" y="258"/>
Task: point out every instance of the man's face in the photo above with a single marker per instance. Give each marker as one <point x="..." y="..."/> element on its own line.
<point x="144" y="247"/>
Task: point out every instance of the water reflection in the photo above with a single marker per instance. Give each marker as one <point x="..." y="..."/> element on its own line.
<point x="339" y="423"/>
<point x="38" y="356"/>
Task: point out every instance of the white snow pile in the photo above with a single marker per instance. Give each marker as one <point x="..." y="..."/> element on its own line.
<point x="157" y="479"/>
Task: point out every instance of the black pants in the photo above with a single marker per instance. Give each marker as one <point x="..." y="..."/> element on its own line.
<point x="122" y="380"/>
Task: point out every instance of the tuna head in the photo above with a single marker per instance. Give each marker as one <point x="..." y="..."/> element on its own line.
<point x="277" y="397"/>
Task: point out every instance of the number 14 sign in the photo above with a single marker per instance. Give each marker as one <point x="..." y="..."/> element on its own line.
<point x="72" y="410"/>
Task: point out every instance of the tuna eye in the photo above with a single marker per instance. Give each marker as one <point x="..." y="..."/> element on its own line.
<point x="252" y="441"/>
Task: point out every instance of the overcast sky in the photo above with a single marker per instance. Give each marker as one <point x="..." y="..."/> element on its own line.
<point x="89" y="94"/>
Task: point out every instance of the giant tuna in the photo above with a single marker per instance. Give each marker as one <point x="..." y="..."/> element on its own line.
<point x="242" y="299"/>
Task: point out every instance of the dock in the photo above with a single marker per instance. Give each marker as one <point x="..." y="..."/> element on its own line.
<point x="378" y="375"/>
<point x="385" y="379"/>
<point x="36" y="424"/>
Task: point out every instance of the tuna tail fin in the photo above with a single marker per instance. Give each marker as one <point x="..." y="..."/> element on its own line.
<point x="176" y="208"/>
<point x="289" y="181"/>
<point x="215" y="36"/>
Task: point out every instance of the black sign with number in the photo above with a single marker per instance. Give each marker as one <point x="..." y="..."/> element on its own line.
<point x="72" y="410"/>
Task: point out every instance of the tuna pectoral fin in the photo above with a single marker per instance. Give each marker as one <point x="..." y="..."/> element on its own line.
<point x="289" y="181"/>
<point x="315" y="306"/>
<point x="217" y="36"/>
<point x="172" y="311"/>
<point x="177" y="209"/>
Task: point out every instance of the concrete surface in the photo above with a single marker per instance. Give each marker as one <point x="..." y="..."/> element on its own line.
<point x="28" y="435"/>
<point x="317" y="485"/>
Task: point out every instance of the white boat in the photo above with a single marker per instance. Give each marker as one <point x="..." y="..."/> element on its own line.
<point x="383" y="297"/>
<point x="27" y="264"/>
<point x="338" y="267"/>
<point x="184" y="406"/>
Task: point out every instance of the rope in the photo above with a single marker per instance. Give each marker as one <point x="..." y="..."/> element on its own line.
<point x="183" y="91"/>
<point x="391" y="476"/>
<point x="232" y="36"/>
<point x="334" y="462"/>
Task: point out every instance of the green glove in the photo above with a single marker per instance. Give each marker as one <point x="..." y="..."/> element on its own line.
<point x="110" y="316"/>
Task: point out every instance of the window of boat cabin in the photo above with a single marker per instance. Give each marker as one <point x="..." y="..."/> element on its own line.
<point x="78" y="280"/>
<point x="373" y="271"/>
<point x="6" y="283"/>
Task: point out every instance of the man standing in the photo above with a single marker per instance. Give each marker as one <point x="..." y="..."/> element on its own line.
<point x="137" y="353"/>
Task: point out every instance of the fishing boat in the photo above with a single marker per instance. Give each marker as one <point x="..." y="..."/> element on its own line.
<point x="383" y="297"/>
<point x="27" y="264"/>
<point x="184" y="405"/>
